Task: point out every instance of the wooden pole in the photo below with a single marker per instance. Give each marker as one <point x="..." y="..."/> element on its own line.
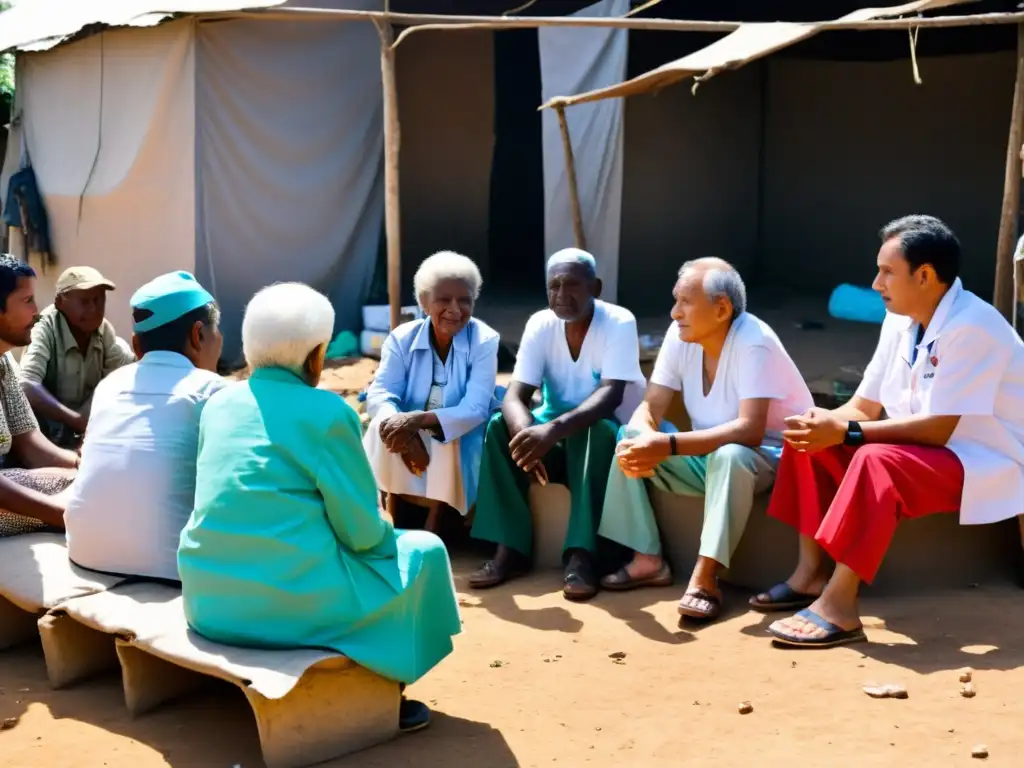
<point x="1003" y="295"/>
<point x="392" y="143"/>
<point x="570" y="172"/>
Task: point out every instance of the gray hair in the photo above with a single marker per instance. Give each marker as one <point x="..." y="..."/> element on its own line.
<point x="283" y="323"/>
<point x="721" y="281"/>
<point x="446" y="265"/>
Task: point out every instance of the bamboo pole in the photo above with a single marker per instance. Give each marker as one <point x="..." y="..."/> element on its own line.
<point x="570" y="172"/>
<point x="433" y="21"/>
<point x="392" y="144"/>
<point x="1003" y="295"/>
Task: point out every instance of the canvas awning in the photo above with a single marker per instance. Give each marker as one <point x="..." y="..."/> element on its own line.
<point x="41" y="24"/>
<point x="748" y="43"/>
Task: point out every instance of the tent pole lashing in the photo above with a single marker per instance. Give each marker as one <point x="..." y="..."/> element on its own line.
<point x="392" y="144"/>
<point x="570" y="173"/>
<point x="1003" y="295"/>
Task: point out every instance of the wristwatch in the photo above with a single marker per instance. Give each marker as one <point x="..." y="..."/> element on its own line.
<point x="854" y="434"/>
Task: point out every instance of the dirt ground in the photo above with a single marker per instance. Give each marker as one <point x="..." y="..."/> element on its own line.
<point x="532" y="682"/>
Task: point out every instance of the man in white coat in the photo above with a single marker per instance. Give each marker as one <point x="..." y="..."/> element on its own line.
<point x="949" y="374"/>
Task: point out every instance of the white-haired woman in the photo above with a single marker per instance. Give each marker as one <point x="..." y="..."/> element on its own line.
<point x="433" y="393"/>
<point x="287" y="546"/>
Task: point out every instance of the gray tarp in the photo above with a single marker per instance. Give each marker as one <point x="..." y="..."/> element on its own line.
<point x="571" y="61"/>
<point x="289" y="153"/>
<point x="748" y="43"/>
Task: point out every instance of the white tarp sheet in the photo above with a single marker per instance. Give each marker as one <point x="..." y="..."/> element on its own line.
<point x="108" y="124"/>
<point x="575" y="61"/>
<point x="289" y="161"/>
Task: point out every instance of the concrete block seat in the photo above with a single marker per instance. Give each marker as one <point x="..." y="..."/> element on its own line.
<point x="310" y="705"/>
<point x="934" y="552"/>
<point x="36" y="575"/>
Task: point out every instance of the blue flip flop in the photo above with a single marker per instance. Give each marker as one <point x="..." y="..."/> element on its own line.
<point x="782" y="597"/>
<point x="835" y="636"/>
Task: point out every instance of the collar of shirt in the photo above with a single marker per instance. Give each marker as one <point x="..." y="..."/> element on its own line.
<point x="166" y="359"/>
<point x="422" y="340"/>
<point x="67" y="338"/>
<point x="908" y="333"/>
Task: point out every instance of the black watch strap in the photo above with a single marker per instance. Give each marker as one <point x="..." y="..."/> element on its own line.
<point x="854" y="434"/>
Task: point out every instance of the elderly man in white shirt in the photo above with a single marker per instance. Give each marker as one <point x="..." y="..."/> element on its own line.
<point x="136" y="485"/>
<point x="949" y="375"/>
<point x="738" y="386"/>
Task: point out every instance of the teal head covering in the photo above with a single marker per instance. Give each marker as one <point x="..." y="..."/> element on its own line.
<point x="168" y="297"/>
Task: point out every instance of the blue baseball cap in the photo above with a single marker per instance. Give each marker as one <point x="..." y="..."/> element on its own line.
<point x="168" y="297"/>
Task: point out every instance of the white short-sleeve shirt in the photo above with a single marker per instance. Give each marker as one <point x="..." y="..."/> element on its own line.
<point x="969" y="363"/>
<point x="753" y="365"/>
<point x="136" y="484"/>
<point x="610" y="351"/>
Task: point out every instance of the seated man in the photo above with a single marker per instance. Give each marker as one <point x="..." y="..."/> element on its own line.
<point x="738" y="385"/>
<point x="73" y="347"/>
<point x="34" y="473"/>
<point x="584" y="356"/>
<point x="949" y="374"/>
<point x="136" y="484"/>
<point x="287" y="547"/>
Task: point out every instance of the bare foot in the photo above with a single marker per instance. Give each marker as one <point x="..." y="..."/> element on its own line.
<point x="844" y="617"/>
<point x="643" y="566"/>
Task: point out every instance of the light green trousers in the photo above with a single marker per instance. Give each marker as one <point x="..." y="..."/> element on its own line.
<point x="728" y="479"/>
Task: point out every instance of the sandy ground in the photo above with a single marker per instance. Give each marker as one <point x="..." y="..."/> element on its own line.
<point x="532" y="683"/>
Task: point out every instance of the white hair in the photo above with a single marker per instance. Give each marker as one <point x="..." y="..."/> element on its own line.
<point x="721" y="280"/>
<point x="446" y="265"/>
<point x="283" y="323"/>
<point x="573" y="256"/>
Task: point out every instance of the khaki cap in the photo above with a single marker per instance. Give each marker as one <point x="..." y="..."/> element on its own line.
<point x="82" y="279"/>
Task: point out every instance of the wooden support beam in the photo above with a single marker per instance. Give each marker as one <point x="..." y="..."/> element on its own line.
<point x="1003" y="295"/>
<point x="392" y="144"/>
<point x="570" y="172"/>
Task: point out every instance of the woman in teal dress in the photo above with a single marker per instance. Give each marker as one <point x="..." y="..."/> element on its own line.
<point x="286" y="546"/>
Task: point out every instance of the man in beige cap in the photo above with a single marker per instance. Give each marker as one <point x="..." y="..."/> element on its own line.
<point x="73" y="348"/>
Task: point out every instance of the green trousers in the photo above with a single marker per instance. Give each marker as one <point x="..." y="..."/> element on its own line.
<point x="728" y="479"/>
<point x="502" y="507"/>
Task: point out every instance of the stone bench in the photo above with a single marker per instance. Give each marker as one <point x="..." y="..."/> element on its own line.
<point x="36" y="575"/>
<point x="929" y="553"/>
<point x="310" y="705"/>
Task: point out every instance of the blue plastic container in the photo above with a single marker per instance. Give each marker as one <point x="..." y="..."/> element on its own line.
<point x="862" y="305"/>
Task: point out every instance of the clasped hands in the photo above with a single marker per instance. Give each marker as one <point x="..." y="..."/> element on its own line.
<point x="639" y="454"/>
<point x="401" y="434"/>
<point x="814" y="430"/>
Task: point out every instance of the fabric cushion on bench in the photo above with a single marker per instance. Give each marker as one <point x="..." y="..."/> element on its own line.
<point x="150" y="617"/>
<point x="35" y="573"/>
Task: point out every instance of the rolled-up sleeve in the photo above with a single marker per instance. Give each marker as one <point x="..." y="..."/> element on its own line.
<point x="384" y="395"/>
<point x="474" y="407"/>
<point x="346" y="483"/>
<point x="36" y="356"/>
<point x="968" y="366"/>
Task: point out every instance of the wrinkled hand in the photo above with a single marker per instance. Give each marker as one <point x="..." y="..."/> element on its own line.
<point x="415" y="456"/>
<point x="639" y="456"/>
<point x="531" y="445"/>
<point x="814" y="430"/>
<point x="397" y="431"/>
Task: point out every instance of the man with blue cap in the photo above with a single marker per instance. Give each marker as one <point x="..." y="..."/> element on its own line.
<point x="136" y="482"/>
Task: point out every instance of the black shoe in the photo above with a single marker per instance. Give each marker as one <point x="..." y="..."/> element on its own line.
<point x="580" y="579"/>
<point x="412" y="716"/>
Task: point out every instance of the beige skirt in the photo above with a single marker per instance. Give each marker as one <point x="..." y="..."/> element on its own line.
<point x="441" y="482"/>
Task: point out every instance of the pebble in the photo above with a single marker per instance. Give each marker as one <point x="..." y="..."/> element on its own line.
<point x="980" y="751"/>
<point x="967" y="691"/>
<point x="966" y="675"/>
<point x="745" y="708"/>
<point x="617" y="655"/>
<point x="890" y="691"/>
